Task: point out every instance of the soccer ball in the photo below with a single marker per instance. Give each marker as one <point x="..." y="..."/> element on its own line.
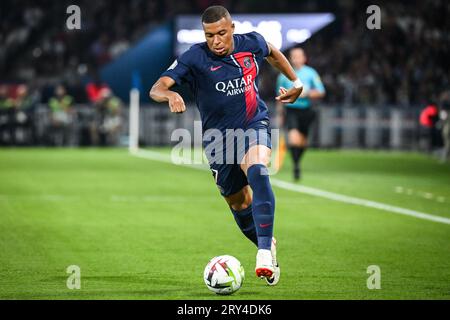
<point x="224" y="275"/>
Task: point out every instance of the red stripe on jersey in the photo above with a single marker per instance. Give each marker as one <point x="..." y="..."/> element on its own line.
<point x="248" y="66"/>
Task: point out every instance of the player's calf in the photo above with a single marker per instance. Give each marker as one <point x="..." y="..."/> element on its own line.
<point x="244" y="219"/>
<point x="241" y="206"/>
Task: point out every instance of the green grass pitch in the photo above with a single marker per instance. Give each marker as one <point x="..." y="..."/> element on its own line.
<point x="142" y="229"/>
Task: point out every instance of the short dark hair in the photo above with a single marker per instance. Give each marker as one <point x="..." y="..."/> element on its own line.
<point x="214" y="13"/>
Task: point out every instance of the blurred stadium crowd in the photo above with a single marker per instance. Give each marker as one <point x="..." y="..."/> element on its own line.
<point x="404" y="64"/>
<point x="97" y="122"/>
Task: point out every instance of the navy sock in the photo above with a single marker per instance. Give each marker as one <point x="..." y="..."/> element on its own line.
<point x="263" y="204"/>
<point x="244" y="220"/>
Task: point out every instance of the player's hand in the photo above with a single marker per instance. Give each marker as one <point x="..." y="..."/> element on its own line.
<point x="289" y="96"/>
<point x="176" y="103"/>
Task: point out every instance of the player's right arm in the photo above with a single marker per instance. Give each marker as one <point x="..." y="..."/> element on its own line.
<point x="160" y="92"/>
<point x="179" y="72"/>
<point x="277" y="59"/>
<point x="317" y="89"/>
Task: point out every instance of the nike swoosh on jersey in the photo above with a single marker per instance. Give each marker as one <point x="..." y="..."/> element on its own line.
<point x="215" y="68"/>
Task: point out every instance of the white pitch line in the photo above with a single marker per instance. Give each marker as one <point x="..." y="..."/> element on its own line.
<point x="357" y="201"/>
<point x="146" y="154"/>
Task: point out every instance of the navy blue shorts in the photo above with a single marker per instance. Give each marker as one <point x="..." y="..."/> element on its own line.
<point x="228" y="175"/>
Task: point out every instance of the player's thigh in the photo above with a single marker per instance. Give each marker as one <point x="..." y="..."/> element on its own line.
<point x="240" y="200"/>
<point x="257" y="154"/>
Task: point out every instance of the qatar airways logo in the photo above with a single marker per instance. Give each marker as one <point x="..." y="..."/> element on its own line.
<point x="235" y="86"/>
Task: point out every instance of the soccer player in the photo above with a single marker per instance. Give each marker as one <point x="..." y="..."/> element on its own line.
<point x="299" y="115"/>
<point x="222" y="73"/>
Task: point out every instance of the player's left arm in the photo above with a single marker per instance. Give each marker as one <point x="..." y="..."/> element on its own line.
<point x="315" y="94"/>
<point x="277" y="59"/>
<point x="318" y="90"/>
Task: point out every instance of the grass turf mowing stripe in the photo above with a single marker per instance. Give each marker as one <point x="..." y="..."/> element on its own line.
<point x="146" y="154"/>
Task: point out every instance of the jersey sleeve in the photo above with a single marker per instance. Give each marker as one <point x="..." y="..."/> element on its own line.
<point x="259" y="44"/>
<point x="181" y="69"/>
<point x="316" y="82"/>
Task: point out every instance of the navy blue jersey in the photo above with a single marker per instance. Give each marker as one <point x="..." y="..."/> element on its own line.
<point x="225" y="88"/>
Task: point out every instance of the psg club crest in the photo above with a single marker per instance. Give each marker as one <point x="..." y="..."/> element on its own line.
<point x="247" y="62"/>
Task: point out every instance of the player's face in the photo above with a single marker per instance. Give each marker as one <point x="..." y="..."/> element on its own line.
<point x="219" y="36"/>
<point x="298" y="58"/>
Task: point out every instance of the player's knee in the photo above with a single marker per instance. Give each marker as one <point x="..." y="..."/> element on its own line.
<point x="294" y="143"/>
<point x="240" y="200"/>
<point x="300" y="142"/>
<point x="260" y="157"/>
<point x="239" y="205"/>
<point x="261" y="161"/>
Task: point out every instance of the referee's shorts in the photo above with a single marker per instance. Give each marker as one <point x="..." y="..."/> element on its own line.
<point x="300" y="119"/>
